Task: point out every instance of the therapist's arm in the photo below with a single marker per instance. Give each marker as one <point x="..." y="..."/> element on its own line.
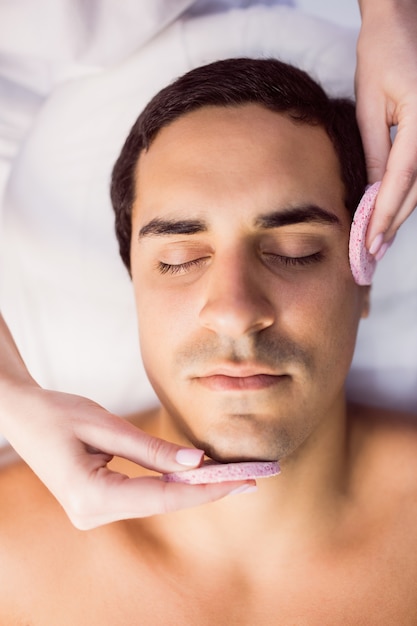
<point x="386" y="93"/>
<point x="68" y="440"/>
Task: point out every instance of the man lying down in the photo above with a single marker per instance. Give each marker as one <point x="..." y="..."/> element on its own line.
<point x="234" y="196"/>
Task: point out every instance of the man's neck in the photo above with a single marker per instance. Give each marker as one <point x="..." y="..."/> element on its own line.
<point x="304" y="503"/>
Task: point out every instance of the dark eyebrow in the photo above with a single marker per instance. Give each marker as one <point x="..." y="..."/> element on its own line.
<point x="296" y="215"/>
<point x="161" y="227"/>
<point x="283" y="217"/>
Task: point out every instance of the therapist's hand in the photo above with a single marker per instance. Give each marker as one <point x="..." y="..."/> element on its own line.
<point x="386" y="92"/>
<point x="68" y="440"/>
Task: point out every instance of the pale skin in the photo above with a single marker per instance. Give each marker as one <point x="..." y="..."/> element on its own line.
<point x="332" y="539"/>
<point x="55" y="432"/>
<point x="386" y="79"/>
<point x="93" y="436"/>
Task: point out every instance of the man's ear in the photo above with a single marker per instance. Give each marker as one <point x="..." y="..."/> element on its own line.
<point x="366" y="301"/>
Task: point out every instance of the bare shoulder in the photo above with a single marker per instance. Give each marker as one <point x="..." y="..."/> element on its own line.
<point x="398" y="426"/>
<point x="19" y="487"/>
<point x="32" y="525"/>
<point x="25" y="503"/>
<point x="385" y="441"/>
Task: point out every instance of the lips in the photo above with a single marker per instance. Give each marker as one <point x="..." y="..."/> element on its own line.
<point x="220" y="382"/>
<point x="239" y="378"/>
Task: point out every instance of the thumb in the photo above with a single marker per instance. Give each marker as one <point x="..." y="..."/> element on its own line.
<point x="110" y="497"/>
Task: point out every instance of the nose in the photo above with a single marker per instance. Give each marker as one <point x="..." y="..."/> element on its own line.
<point x="235" y="302"/>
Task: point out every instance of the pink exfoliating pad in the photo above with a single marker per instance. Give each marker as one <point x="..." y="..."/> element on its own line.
<point x="220" y="472"/>
<point x="362" y="263"/>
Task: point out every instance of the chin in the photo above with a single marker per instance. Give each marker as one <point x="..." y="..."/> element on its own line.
<point x="233" y="458"/>
<point x="242" y="437"/>
<point x="227" y="453"/>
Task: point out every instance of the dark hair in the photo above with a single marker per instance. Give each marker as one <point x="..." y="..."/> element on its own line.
<point x="233" y="82"/>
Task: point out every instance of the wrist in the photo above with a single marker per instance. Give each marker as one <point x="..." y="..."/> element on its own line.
<point x="13" y="371"/>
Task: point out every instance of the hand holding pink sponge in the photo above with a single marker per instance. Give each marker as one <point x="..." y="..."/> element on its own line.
<point x="212" y="472"/>
<point x="362" y="263"/>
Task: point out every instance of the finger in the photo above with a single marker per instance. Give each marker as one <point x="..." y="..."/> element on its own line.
<point x="408" y="207"/>
<point x="116" y="497"/>
<point x="118" y="437"/>
<point x="375" y="134"/>
<point x="387" y="217"/>
<point x="397" y="196"/>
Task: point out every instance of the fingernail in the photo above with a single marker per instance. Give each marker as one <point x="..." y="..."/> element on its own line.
<point x="244" y="489"/>
<point x="190" y="457"/>
<point x="376" y="244"/>
<point x="386" y="246"/>
<point x="381" y="252"/>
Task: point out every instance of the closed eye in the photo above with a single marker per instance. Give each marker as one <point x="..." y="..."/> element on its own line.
<point x="294" y="261"/>
<point x="287" y="261"/>
<point x="180" y="268"/>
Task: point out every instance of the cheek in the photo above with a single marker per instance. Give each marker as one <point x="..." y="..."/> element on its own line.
<point x="164" y="316"/>
<point x="323" y="316"/>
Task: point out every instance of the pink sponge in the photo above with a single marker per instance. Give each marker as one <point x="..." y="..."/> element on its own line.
<point x="362" y="263"/>
<point x="212" y="472"/>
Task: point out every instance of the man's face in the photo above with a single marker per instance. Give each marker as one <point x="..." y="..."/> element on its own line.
<point x="246" y="304"/>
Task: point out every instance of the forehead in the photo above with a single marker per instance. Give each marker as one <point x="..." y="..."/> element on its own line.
<point x="210" y="156"/>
